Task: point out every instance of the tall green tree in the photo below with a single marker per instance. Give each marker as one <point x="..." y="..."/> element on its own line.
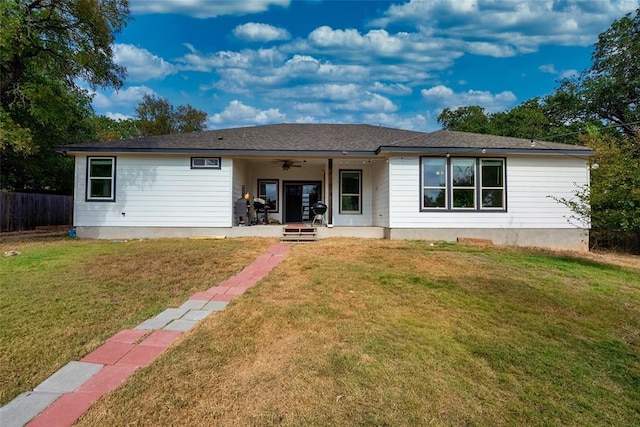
<point x="107" y="129"/>
<point x="156" y="116"/>
<point x="611" y="87"/>
<point x="46" y="48"/>
<point x="465" y="119"/>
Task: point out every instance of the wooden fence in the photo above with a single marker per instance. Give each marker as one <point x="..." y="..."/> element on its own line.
<point x="26" y="211"/>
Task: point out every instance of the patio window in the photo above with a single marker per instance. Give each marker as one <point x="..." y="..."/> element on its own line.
<point x="268" y="190"/>
<point x="461" y="183"/>
<point x="101" y="178"/>
<point x="350" y="191"/>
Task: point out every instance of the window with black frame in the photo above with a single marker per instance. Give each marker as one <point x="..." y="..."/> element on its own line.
<point x="268" y="191"/>
<point x="463" y="183"/>
<point x="101" y="179"/>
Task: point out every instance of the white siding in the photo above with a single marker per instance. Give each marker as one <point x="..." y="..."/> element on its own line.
<point x="380" y="194"/>
<point x="529" y="183"/>
<point x="355" y="220"/>
<point x="159" y="191"/>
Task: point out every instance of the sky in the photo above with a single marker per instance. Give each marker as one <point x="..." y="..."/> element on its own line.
<point x="389" y="63"/>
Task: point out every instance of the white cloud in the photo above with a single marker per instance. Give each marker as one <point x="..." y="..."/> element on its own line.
<point x="567" y="74"/>
<point x="204" y="8"/>
<point x="441" y="97"/>
<point x="239" y="114"/>
<point x="564" y="74"/>
<point x="196" y="61"/>
<point x="117" y="116"/>
<point x="130" y="96"/>
<point x="375" y="102"/>
<point x="417" y="122"/>
<point x="548" y="68"/>
<point x="420" y="48"/>
<point x="505" y="28"/>
<point x="141" y="64"/>
<point x="391" y="89"/>
<point x="256" y="32"/>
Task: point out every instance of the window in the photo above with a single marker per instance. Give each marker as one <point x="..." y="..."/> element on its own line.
<point x="463" y="188"/>
<point x="492" y="188"/>
<point x="434" y="183"/>
<point x="268" y="190"/>
<point x="205" y="163"/>
<point x="460" y="183"/>
<point x="101" y="177"/>
<point x="351" y="191"/>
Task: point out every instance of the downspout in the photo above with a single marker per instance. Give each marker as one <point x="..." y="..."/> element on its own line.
<point x="330" y="186"/>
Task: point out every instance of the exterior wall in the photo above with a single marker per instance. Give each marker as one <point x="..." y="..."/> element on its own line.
<point x="529" y="183"/>
<point x="363" y="219"/>
<point x="380" y="194"/>
<point x="158" y="191"/>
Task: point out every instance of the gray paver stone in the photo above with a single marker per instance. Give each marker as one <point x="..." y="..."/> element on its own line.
<point x="215" y="305"/>
<point x="181" y="325"/>
<point x="25" y="407"/>
<point x="193" y="304"/>
<point x="153" y="323"/>
<point x="171" y="313"/>
<point x="69" y="377"/>
<point x="196" y="315"/>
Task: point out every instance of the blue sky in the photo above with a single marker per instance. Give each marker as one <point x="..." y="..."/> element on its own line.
<point x="395" y="64"/>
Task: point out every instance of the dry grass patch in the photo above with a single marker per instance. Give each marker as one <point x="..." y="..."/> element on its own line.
<point x="348" y="332"/>
<point x="60" y="299"/>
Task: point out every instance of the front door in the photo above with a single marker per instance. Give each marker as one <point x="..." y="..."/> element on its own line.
<point x="298" y="199"/>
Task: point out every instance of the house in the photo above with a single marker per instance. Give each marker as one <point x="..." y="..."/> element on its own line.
<point x="377" y="182"/>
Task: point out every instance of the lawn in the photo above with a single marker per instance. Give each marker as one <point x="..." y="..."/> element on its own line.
<point x="362" y="332"/>
<point x="62" y="298"/>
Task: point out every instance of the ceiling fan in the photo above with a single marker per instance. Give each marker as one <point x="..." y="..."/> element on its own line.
<point x="287" y="164"/>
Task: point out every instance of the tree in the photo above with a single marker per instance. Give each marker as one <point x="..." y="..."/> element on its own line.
<point x="465" y="119"/>
<point x="46" y="48"/>
<point x="107" y="129"/>
<point x="612" y="202"/>
<point x="527" y="120"/>
<point x="188" y="119"/>
<point x="156" y="116"/>
<point x="609" y="91"/>
<point x="611" y="87"/>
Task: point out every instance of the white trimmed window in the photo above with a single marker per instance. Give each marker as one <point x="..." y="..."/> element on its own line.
<point x="462" y="183"/>
<point x="101" y="179"/>
<point x="205" y="163"/>
<point x="350" y="191"/>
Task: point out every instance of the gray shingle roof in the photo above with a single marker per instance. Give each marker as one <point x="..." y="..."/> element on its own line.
<point x="320" y="138"/>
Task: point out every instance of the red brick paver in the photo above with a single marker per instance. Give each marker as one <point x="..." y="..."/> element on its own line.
<point x="123" y="353"/>
<point x="108" y="353"/>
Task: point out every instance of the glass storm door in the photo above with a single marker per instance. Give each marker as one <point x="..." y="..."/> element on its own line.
<point x="298" y="199"/>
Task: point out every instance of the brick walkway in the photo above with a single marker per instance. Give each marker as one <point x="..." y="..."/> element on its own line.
<point x="67" y="394"/>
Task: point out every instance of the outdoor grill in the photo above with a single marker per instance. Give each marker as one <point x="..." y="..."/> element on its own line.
<point x="319" y="209"/>
<point x="261" y="207"/>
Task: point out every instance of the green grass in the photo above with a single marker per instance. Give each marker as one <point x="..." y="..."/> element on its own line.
<point x="403" y="333"/>
<point x="60" y="299"/>
<point x="344" y="332"/>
